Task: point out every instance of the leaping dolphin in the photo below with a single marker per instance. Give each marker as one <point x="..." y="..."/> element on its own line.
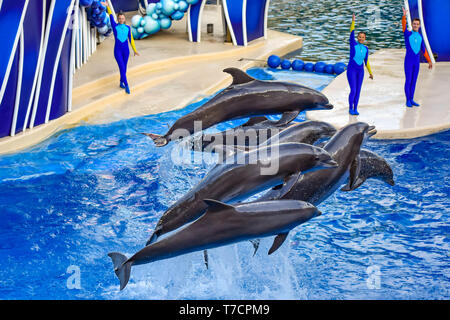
<point x="246" y="97"/>
<point x="241" y="178"/>
<point x="222" y="224"/>
<point x="260" y="133"/>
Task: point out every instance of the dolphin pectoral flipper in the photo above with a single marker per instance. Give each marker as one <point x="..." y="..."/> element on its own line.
<point x="214" y="205"/>
<point x="280" y="190"/>
<point x="355" y="169"/>
<point x="122" y="268"/>
<point x="277" y="242"/>
<point x="255" y="244"/>
<point x="239" y="76"/>
<point x="255" y="120"/>
<point x="287" y="117"/>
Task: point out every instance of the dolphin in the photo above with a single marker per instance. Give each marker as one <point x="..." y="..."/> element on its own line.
<point x="258" y="135"/>
<point x="371" y="166"/>
<point x="222" y="224"/>
<point x="315" y="187"/>
<point x="344" y="147"/>
<point x="241" y="177"/>
<point x="246" y="97"/>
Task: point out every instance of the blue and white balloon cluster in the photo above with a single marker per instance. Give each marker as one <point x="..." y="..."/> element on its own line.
<point x="298" y="65"/>
<point x="159" y="15"/>
<point x="97" y="16"/>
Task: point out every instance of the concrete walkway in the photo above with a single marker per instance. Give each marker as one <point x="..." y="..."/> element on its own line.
<point x="382" y="101"/>
<point x="169" y="74"/>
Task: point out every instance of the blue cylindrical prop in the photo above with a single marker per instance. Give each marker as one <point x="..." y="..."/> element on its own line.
<point x="274" y="61"/>
<point x="309" y="67"/>
<point x="285" y="64"/>
<point x="319" y="67"/>
<point x="339" y="67"/>
<point x="298" y="65"/>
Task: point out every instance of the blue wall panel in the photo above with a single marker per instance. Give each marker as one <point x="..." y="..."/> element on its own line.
<point x="32" y="30"/>
<point x="255" y="19"/>
<point x="7" y="104"/>
<point x="61" y="91"/>
<point x="10" y="15"/>
<point x="436" y="15"/>
<point x="56" y="29"/>
<point x="124" y="5"/>
<point x="195" y="19"/>
<point x="235" y="12"/>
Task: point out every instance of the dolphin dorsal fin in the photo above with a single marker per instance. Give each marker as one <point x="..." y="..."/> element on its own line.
<point x="239" y="76"/>
<point x="214" y="205"/>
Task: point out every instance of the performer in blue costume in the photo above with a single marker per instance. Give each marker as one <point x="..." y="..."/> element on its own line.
<point x="359" y="54"/>
<point x="414" y="44"/>
<point x="122" y="34"/>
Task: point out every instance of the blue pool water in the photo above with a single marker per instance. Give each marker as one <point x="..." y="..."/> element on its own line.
<point x="93" y="189"/>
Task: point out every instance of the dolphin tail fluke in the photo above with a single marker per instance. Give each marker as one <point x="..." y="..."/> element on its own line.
<point x="122" y="268"/>
<point x="159" y="140"/>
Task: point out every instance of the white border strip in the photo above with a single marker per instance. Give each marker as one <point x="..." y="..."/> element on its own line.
<point x="244" y="22"/>
<point x="13" y="51"/>
<point x="19" y="86"/>
<point x="424" y="33"/>
<point x="38" y="63"/>
<point x="266" y="14"/>
<point x="58" y="56"/>
<point x="229" y="25"/>
<point x="42" y="62"/>
<point x="199" y="27"/>
<point x="408" y="16"/>
<point x="189" y="24"/>
<point x="72" y="56"/>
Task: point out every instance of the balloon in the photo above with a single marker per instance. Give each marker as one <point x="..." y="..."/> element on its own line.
<point x="151" y="25"/>
<point x="182" y="6"/>
<point x="136" y="21"/>
<point x="165" y="23"/>
<point x="177" y="15"/>
<point x="151" y="8"/>
<point x="135" y="33"/>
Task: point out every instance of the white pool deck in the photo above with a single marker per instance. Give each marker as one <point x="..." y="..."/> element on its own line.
<point x="382" y="101"/>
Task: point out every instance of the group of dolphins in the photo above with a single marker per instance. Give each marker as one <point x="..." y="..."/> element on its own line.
<point x="212" y="213"/>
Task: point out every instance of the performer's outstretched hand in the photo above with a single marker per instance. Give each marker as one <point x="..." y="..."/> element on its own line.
<point x="430" y="65"/>
<point x="371" y="76"/>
